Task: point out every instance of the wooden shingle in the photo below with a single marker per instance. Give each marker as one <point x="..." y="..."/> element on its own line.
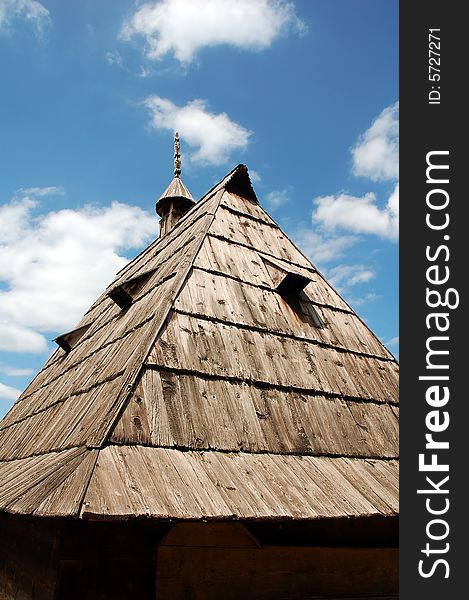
<point x="197" y="387"/>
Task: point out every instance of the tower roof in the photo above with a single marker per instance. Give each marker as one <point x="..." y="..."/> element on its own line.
<point x="218" y="376"/>
<point x="176" y="190"/>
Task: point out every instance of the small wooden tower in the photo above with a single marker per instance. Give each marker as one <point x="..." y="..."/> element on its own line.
<point x="220" y="424"/>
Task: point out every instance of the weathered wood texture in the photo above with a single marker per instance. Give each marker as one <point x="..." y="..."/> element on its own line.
<point x="273" y="573"/>
<point x="137" y="480"/>
<point x="179" y="410"/>
<point x="226" y="350"/>
<point x="254" y="233"/>
<point x="225" y="256"/>
<point x="241" y="303"/>
<point x="251" y="208"/>
<point x="262" y="388"/>
<point x="74" y="398"/>
<point x="52" y="483"/>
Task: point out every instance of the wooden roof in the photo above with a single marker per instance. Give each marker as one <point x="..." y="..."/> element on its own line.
<point x="176" y="189"/>
<point x="218" y="376"/>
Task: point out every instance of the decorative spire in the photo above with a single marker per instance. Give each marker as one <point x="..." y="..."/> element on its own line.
<point x="176" y="200"/>
<point x="177" y="156"/>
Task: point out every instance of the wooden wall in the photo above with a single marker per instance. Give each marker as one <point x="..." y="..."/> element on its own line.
<point x="274" y="573"/>
<point x="213" y="561"/>
<point x="28" y="560"/>
<point x="63" y="559"/>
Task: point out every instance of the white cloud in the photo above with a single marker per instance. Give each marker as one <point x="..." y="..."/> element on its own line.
<point x="14" y="215"/>
<point x="368" y="297"/>
<point x="15" y="337"/>
<point x="41" y="191"/>
<point x="214" y="136"/>
<point x="29" y="10"/>
<point x="254" y="175"/>
<point x="277" y="198"/>
<point x="359" y="214"/>
<point x="53" y="266"/>
<point x="321" y="248"/>
<point x="114" y="58"/>
<point x="183" y="27"/>
<point x="376" y="154"/>
<point x="393" y="341"/>
<point x="349" y="275"/>
<point x="15" y="371"/>
<point x="393" y="204"/>
<point x="8" y="393"/>
<point x="144" y="72"/>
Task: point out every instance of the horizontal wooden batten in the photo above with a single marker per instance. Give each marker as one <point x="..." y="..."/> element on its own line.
<point x="242" y="211"/>
<point x="213" y="485"/>
<point x="256" y="234"/>
<point x="247" y="264"/>
<point x="242" y="304"/>
<point x="265" y="385"/>
<point x="188" y="342"/>
<point x="247" y="207"/>
<point x="281" y="334"/>
<point x="171" y="409"/>
<point x="287" y="573"/>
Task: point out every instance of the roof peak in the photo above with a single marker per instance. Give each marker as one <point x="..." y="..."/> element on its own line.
<point x="238" y="182"/>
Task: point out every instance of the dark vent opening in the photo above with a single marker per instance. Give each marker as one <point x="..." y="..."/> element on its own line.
<point x="291" y="285"/>
<point x="291" y="289"/>
<point x="120" y="297"/>
<point x="67" y="341"/>
<point x="123" y="294"/>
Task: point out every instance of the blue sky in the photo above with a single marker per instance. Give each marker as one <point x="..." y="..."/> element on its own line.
<point x="305" y="93"/>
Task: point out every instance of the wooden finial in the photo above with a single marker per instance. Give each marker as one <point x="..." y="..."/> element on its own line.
<point x="177" y="156"/>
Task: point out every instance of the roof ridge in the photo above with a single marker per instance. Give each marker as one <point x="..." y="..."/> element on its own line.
<point x="135" y="367"/>
<point x="140" y="358"/>
<point x="135" y="371"/>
